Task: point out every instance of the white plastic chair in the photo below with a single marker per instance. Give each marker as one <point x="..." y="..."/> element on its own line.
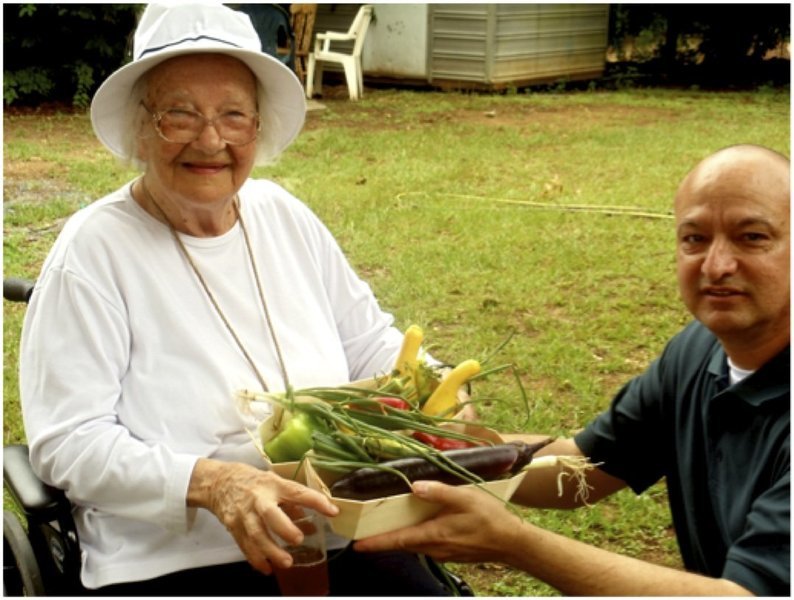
<point x="350" y="62"/>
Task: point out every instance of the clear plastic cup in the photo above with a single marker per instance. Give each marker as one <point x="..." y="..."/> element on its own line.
<point x="308" y="575"/>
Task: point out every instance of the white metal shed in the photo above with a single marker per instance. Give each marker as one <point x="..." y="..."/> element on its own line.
<point x="486" y="46"/>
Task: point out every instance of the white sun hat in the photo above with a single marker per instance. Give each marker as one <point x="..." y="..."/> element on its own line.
<point x="173" y="29"/>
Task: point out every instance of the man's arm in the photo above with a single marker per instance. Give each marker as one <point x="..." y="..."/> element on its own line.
<point x="539" y="487"/>
<point x="576" y="569"/>
<point x="475" y="527"/>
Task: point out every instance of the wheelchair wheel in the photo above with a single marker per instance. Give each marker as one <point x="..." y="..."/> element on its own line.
<point x="21" y="575"/>
<point x="454" y="584"/>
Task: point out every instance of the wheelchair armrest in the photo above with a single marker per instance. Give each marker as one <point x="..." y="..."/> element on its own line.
<point x="17" y="290"/>
<point x="34" y="497"/>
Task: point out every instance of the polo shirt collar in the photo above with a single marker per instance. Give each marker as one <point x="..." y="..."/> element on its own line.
<point x="771" y="381"/>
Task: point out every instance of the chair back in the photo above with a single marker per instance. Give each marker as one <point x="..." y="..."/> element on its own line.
<point x="303" y="17"/>
<point x="359" y="26"/>
<point x="349" y="61"/>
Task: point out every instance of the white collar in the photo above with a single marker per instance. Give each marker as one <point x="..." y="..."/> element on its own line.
<point x="736" y="373"/>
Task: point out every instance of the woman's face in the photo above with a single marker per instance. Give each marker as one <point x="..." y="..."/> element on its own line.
<point x="207" y="170"/>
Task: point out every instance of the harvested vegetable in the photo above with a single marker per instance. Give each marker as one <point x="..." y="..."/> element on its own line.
<point x="426" y="380"/>
<point x="441" y="443"/>
<point x="412" y="377"/>
<point x="408" y="412"/>
<point x="444" y="400"/>
<point x="384" y="449"/>
<point x="345" y="427"/>
<point x="397" y="403"/>
<point x="455" y="467"/>
<point x="294" y="441"/>
<point x="408" y="358"/>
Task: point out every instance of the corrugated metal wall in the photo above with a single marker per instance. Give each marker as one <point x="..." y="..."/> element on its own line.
<point x="513" y="44"/>
<point x="480" y="45"/>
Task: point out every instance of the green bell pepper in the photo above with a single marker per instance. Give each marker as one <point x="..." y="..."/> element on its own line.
<point x="294" y="441"/>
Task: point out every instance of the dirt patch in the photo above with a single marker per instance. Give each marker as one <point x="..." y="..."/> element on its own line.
<point x="28" y="170"/>
<point x="354" y="115"/>
<point x="595" y="116"/>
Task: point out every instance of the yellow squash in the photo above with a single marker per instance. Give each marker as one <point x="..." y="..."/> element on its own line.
<point x="444" y="400"/>
<point x="409" y="353"/>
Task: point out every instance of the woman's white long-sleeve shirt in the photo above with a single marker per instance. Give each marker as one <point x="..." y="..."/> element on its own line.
<point x="128" y="374"/>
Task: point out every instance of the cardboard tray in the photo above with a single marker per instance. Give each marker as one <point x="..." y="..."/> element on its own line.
<point x="362" y="518"/>
<point x="359" y="519"/>
<point x="291" y="470"/>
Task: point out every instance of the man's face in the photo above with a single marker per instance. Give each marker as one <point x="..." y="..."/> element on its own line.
<point x="732" y="226"/>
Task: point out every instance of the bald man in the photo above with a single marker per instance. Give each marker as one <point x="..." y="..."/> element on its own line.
<point x="711" y="415"/>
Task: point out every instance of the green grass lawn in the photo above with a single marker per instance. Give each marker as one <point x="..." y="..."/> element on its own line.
<point x="472" y="216"/>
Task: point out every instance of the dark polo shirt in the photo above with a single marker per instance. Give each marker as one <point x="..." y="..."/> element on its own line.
<point x="724" y="451"/>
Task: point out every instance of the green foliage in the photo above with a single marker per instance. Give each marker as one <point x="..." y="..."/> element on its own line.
<point x="32" y="81"/>
<point x="84" y="76"/>
<point x="62" y="52"/>
<point x="722" y="36"/>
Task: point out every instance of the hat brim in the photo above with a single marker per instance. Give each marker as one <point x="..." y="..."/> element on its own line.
<point x="284" y="96"/>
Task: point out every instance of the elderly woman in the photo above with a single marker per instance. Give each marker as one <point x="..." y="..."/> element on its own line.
<point x="161" y="299"/>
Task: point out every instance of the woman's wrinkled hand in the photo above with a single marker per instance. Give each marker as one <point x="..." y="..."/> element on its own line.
<point x="250" y="503"/>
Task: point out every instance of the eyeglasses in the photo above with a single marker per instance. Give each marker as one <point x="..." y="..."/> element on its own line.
<point x="183" y="126"/>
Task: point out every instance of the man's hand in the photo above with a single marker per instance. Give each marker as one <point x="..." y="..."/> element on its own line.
<point x="472" y="526"/>
<point x="248" y="501"/>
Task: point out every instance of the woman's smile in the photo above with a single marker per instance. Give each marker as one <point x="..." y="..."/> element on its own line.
<point x="204" y="168"/>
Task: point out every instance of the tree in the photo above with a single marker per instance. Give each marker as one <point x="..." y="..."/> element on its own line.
<point x="62" y="52"/>
<point x="723" y="41"/>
